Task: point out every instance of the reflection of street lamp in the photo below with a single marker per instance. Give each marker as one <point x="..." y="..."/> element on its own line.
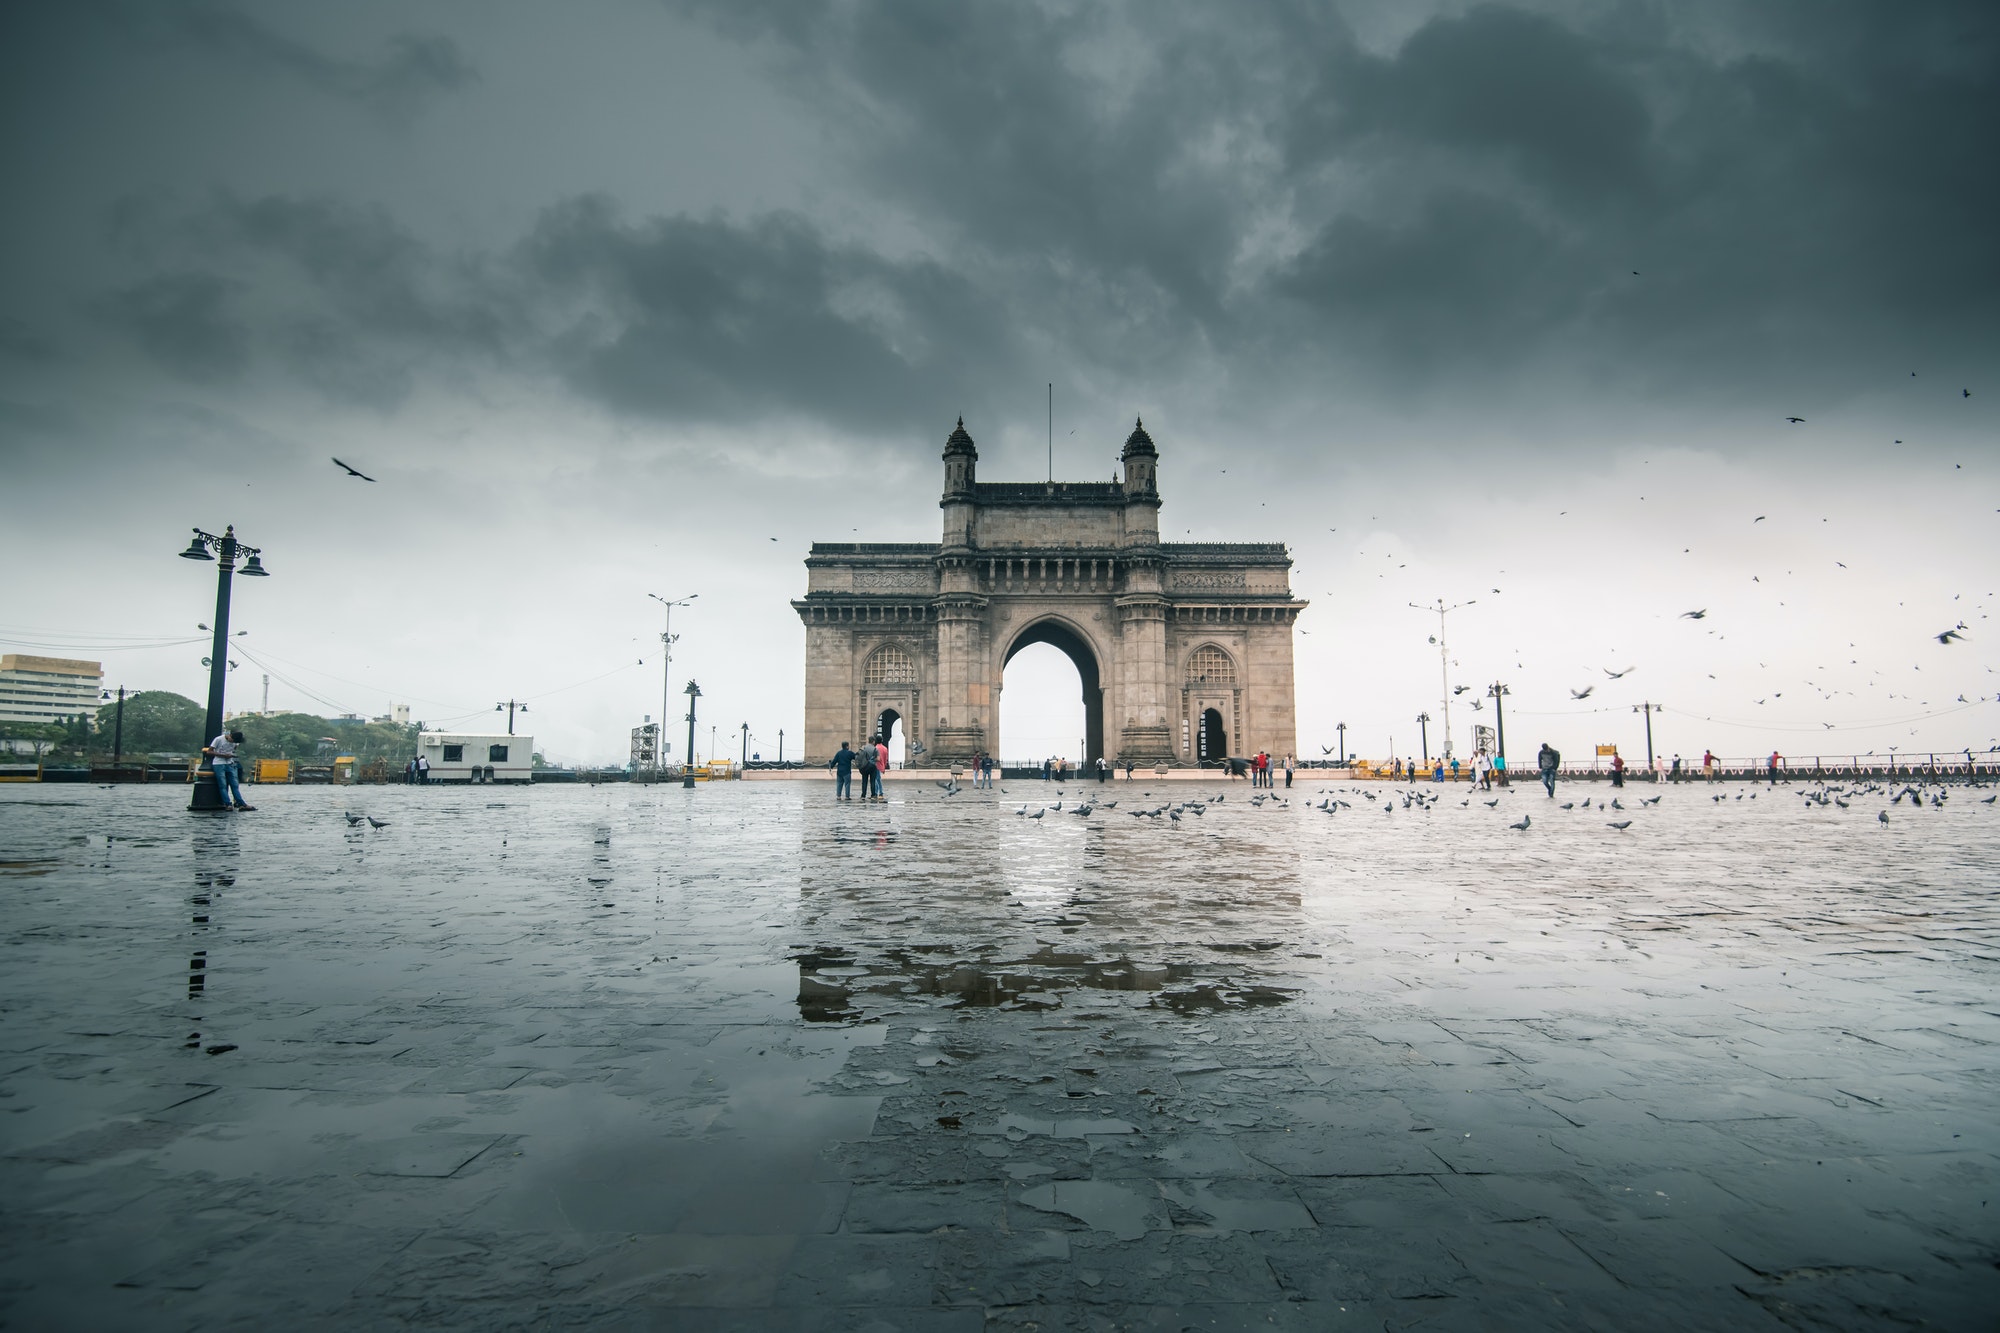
<point x="687" y="766"/>
<point x="226" y="548"/>
<point x="666" y="670"/>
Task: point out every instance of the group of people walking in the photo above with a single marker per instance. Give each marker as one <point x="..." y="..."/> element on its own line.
<point x="871" y="759"/>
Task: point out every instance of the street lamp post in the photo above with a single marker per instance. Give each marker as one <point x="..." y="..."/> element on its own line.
<point x="1444" y="665"/>
<point x="118" y="728"/>
<point x="1424" y="735"/>
<point x="781" y="745"/>
<point x="666" y="673"/>
<point x="1648" y="709"/>
<point x="226" y="549"/>
<point x="510" y="706"/>
<point x="746" y="745"/>
<point x="1496" y="692"/>
<point x="687" y="763"/>
<point x="1341" y="727"/>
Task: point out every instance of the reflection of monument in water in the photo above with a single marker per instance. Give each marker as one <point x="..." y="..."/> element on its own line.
<point x="1184" y="648"/>
<point x="972" y="908"/>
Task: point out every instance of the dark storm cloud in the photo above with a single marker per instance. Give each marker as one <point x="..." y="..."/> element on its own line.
<point x="679" y="318"/>
<point x="1249" y="201"/>
<point x="186" y="323"/>
<point x="710" y="319"/>
<point x="412" y="70"/>
<point x="1253" y="192"/>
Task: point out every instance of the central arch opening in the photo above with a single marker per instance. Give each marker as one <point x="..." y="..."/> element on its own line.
<point x="1051" y="698"/>
<point x="889" y="729"/>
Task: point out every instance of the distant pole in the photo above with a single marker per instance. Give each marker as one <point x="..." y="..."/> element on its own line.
<point x="1424" y="735"/>
<point x="1444" y="667"/>
<point x="1648" y="709"/>
<point x="118" y="731"/>
<point x="781" y="745"/>
<point x="1496" y="692"/>
<point x="666" y="673"/>
<point x="1052" y="432"/>
<point x="687" y="764"/>
<point x="746" y="744"/>
<point x="1341" y="727"/>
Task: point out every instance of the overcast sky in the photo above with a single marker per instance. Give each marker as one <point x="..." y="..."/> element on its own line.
<point x="1502" y="304"/>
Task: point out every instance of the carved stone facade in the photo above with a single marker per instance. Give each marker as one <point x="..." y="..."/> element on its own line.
<point x="1185" y="649"/>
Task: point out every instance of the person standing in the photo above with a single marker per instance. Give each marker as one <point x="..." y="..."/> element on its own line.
<point x="410" y="772"/>
<point x="881" y="763"/>
<point x="1708" y="764"/>
<point x="1548" y="760"/>
<point x="1775" y="760"/>
<point x="423" y="769"/>
<point x="1617" y="770"/>
<point x="1437" y="773"/>
<point x="1290" y="763"/>
<point x="228" y="773"/>
<point x="1674" y="775"/>
<point x="1500" y="769"/>
<point x="1454" y="770"/>
<point x="866" y="764"/>
<point x="842" y="765"/>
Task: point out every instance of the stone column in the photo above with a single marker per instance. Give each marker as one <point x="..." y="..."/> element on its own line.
<point x="960" y="711"/>
<point x="1145" y="730"/>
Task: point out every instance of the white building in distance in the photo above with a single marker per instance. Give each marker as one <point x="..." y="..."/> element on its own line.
<point x="46" y="689"/>
<point x="467" y="757"/>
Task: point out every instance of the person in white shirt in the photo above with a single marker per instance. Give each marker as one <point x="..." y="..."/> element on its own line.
<point x="222" y="758"/>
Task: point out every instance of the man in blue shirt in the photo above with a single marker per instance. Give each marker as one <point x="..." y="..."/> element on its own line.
<point x="843" y="773"/>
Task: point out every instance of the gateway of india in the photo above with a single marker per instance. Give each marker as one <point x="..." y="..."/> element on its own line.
<point x="1185" y="648"/>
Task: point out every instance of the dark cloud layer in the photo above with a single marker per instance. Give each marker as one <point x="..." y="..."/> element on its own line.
<point x="1248" y="199"/>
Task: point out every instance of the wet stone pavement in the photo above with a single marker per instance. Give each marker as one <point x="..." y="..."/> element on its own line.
<point x="744" y="1059"/>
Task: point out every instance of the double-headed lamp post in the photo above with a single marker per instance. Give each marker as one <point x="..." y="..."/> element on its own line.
<point x="226" y="549"/>
<point x="1341" y="727"/>
<point x="666" y="671"/>
<point x="687" y="763"/>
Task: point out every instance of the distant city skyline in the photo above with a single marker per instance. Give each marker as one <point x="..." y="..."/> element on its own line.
<point x="1586" y="318"/>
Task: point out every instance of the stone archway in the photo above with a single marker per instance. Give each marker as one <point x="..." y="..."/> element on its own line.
<point x="926" y="629"/>
<point x="1074" y="644"/>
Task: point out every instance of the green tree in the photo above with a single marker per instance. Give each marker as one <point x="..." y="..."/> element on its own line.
<point x="40" y="736"/>
<point x="156" y="722"/>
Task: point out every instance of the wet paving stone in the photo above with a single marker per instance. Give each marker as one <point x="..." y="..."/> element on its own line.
<point x="742" y="1058"/>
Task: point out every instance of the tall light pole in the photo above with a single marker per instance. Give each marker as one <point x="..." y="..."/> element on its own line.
<point x="666" y="671"/>
<point x="781" y="745"/>
<point x="687" y="763"/>
<point x="226" y="548"/>
<point x="510" y="706"/>
<point x="118" y="730"/>
<point x="1341" y="727"/>
<point x="746" y="744"/>
<point x="1424" y="735"/>
<point x="1496" y="692"/>
<point x="1648" y="709"/>
<point x="1444" y="665"/>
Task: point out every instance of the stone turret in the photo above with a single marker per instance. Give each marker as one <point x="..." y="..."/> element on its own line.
<point x="1142" y="485"/>
<point x="961" y="461"/>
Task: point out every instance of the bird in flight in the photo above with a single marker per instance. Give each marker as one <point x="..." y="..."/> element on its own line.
<point x="1759" y="519"/>
<point x="353" y="472"/>
<point x="1583" y="693"/>
<point x="1796" y="421"/>
<point x="1618" y="675"/>
<point x="1948" y="636"/>
<point x="1694" y="615"/>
